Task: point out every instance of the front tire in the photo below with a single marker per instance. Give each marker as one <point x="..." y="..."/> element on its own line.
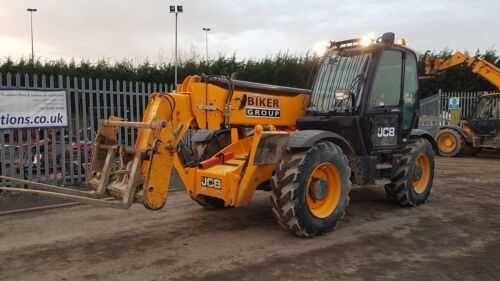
<point x="450" y="142"/>
<point x="310" y="190"/>
<point x="411" y="183"/>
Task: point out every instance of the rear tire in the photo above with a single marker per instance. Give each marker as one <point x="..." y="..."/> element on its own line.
<point x="411" y="183"/>
<point x="204" y="150"/>
<point x="450" y="142"/>
<point x="310" y="190"/>
<point x="210" y="203"/>
<point x="470" y="150"/>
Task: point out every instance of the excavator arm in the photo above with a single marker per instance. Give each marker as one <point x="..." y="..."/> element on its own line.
<point x="479" y="66"/>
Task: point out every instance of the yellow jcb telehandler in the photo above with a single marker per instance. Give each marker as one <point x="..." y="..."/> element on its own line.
<point x="356" y="125"/>
<point x="482" y="127"/>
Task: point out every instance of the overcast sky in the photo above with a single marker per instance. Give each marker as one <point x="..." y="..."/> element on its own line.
<point x="140" y="30"/>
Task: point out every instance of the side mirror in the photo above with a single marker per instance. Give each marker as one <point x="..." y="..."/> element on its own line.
<point x="342" y="94"/>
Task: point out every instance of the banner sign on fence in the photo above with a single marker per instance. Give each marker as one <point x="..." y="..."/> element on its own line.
<point x="21" y="109"/>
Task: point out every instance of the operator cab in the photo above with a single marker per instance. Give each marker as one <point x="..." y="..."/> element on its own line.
<point x="485" y="119"/>
<point x="366" y="88"/>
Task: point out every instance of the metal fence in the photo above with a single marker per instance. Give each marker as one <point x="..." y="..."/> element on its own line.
<point x="61" y="156"/>
<point x="435" y="112"/>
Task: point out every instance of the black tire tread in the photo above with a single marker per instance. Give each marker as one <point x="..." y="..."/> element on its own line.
<point x="470" y="150"/>
<point x="284" y="186"/>
<point x="397" y="190"/>
<point x="210" y="203"/>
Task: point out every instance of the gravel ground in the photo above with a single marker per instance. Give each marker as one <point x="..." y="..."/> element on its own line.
<point x="455" y="236"/>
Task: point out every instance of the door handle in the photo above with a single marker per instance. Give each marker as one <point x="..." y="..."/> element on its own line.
<point x="371" y="125"/>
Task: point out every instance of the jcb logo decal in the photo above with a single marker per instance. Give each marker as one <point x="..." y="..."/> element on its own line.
<point x="386" y="132"/>
<point x="211" y="183"/>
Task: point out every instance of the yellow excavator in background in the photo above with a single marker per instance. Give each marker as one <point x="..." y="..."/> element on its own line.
<point x="482" y="129"/>
<point x="305" y="147"/>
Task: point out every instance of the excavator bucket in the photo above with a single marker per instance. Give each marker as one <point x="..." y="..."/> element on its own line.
<point x="114" y="174"/>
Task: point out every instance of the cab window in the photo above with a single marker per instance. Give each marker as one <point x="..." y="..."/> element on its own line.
<point x="488" y="108"/>
<point x="386" y="91"/>
<point x="410" y="90"/>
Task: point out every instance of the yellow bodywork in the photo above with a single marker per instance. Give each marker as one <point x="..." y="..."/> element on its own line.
<point x="200" y="105"/>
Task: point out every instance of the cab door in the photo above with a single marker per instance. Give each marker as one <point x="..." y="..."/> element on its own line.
<point x="486" y="118"/>
<point x="383" y="113"/>
<point x="410" y="93"/>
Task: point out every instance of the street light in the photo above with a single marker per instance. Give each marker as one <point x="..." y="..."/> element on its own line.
<point x="206" y="29"/>
<point x="176" y="9"/>
<point x="31" y="10"/>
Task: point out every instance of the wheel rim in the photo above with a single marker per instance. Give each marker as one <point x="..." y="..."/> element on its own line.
<point x="447" y="143"/>
<point x="421" y="173"/>
<point x="323" y="190"/>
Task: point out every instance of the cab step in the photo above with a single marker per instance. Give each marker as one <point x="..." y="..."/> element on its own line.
<point x="382" y="181"/>
<point x="383" y="166"/>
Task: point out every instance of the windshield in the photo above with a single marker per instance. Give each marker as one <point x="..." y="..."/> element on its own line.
<point x="340" y="69"/>
<point x="488" y="108"/>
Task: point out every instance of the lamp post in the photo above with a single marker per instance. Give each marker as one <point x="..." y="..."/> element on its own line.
<point x="176" y="10"/>
<point x="206" y="29"/>
<point x="31" y="10"/>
